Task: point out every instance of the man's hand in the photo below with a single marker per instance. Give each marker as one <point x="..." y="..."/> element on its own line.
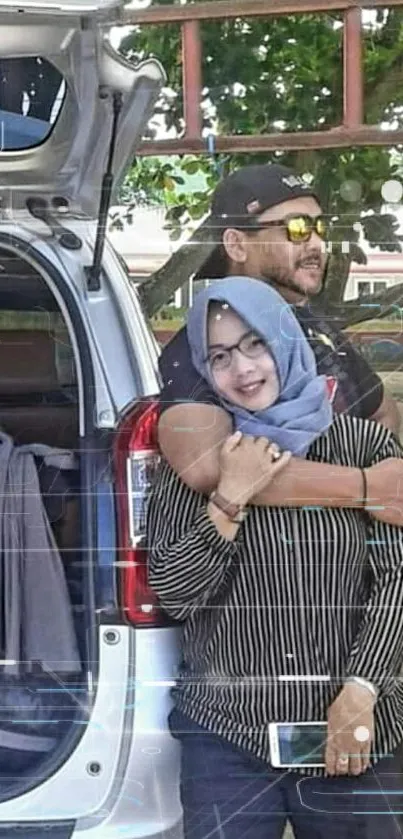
<point x="350" y="731"/>
<point x="385" y="491"/>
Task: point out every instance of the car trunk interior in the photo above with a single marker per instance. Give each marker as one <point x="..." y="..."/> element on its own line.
<point x="39" y="405"/>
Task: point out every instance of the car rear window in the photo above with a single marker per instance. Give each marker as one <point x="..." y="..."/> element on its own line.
<point x="32" y="92"/>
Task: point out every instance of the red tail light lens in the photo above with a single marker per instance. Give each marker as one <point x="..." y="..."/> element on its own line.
<point x="136" y="461"/>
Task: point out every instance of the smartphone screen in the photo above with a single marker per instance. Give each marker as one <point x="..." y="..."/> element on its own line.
<point x="302" y="745"/>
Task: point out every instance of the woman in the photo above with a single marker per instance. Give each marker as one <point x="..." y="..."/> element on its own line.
<point x="289" y="614"/>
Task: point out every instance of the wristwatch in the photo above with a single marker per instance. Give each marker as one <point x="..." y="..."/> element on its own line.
<point x="235" y="512"/>
<point x="365" y="683"/>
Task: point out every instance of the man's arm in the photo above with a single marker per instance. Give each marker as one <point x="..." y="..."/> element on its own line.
<point x="191" y="435"/>
<point x="388" y="414"/>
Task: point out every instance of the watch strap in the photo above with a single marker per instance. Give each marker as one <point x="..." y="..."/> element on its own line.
<point x="233" y="511"/>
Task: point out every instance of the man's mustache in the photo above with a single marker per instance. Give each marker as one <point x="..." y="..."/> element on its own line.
<point x="314" y="256"/>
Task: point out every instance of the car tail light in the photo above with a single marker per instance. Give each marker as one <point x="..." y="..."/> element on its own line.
<point x="136" y="461"/>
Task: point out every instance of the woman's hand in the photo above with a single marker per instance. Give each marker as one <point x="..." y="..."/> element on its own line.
<point x="350" y="731"/>
<point x="247" y="464"/>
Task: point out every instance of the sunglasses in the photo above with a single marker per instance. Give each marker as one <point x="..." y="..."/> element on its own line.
<point x="299" y="227"/>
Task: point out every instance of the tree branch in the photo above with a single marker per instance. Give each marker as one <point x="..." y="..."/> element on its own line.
<point x="359" y="311"/>
<point x="187" y="261"/>
<point x="338" y="271"/>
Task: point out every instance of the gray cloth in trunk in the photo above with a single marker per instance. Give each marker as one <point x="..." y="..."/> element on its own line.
<point x="37" y="622"/>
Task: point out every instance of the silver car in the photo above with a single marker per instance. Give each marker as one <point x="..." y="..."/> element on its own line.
<point x="88" y="757"/>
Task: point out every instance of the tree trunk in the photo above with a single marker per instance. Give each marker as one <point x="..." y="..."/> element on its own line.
<point x="338" y="271"/>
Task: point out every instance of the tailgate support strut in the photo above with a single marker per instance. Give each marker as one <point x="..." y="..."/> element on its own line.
<point x="93" y="271"/>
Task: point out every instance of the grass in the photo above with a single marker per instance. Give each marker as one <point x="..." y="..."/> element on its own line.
<point x="172" y="325"/>
<point x="169" y="325"/>
<point x="379" y="325"/>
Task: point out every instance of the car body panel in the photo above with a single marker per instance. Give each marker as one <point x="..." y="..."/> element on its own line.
<point x="136" y="793"/>
<point x="70" y="163"/>
<point x="126" y="737"/>
<point x="60" y="8"/>
<point x="147" y="799"/>
<point x="121" y="777"/>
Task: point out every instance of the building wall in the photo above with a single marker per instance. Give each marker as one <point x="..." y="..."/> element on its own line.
<point x="381" y="271"/>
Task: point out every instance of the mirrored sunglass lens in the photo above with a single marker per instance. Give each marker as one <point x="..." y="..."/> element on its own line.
<point x="299" y="228"/>
<point x="321" y="228"/>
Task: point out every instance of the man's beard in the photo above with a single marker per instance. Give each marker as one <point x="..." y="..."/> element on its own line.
<point x="283" y="280"/>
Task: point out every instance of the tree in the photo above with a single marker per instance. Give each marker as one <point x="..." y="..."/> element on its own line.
<point x="265" y="75"/>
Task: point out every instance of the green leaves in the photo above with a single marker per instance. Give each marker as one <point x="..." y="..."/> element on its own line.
<point x="182" y="185"/>
<point x="382" y="231"/>
<point x="278" y="74"/>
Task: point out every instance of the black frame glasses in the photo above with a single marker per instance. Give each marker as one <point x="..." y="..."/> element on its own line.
<point x="250" y="345"/>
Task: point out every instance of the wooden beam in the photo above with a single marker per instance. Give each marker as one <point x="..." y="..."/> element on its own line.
<point x="335" y="138"/>
<point x="192" y="78"/>
<point x="242" y="8"/>
<point x="353" y="76"/>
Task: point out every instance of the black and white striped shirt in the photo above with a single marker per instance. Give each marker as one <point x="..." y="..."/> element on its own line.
<point x="275" y="620"/>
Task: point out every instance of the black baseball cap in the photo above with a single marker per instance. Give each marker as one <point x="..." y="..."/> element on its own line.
<point x="243" y="195"/>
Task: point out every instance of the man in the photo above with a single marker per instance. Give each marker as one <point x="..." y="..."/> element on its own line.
<point x="270" y="227"/>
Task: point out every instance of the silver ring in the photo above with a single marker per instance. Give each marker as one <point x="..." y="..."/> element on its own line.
<point x="276" y="455"/>
<point x="343" y="759"/>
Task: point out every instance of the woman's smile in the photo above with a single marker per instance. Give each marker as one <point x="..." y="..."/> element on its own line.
<point x="243" y="369"/>
<point x="251" y="389"/>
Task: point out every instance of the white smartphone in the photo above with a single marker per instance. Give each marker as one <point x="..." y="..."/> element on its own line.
<point x="294" y="744"/>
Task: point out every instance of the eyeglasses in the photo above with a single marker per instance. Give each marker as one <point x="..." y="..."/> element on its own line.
<point x="299" y="228"/>
<point x="249" y="345"/>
